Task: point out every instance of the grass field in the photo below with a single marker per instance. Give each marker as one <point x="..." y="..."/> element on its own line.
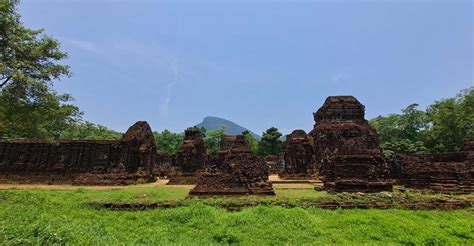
<point x="43" y="216"/>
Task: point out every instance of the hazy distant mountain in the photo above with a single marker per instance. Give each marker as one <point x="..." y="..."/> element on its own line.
<point x="213" y="123"/>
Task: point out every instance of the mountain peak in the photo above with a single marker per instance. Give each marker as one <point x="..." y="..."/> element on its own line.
<point x="213" y="123"/>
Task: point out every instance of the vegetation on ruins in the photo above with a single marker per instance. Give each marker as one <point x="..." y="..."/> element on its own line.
<point x="444" y="126"/>
<point x="270" y="144"/>
<point x="252" y="142"/>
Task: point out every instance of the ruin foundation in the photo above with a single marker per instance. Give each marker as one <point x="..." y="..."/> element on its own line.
<point x="449" y="173"/>
<point x="235" y="171"/>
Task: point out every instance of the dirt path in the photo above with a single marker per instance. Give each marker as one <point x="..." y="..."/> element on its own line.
<point x="160" y="183"/>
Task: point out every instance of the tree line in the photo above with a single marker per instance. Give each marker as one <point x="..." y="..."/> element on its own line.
<point x="444" y="126"/>
<point x="269" y="144"/>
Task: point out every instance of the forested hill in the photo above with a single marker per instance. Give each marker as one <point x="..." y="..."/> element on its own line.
<point x="213" y="123"/>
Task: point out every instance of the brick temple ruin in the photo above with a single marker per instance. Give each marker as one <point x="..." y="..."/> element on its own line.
<point x="449" y="172"/>
<point x="347" y="148"/>
<point x="235" y="171"/>
<point x="126" y="161"/>
<point x="190" y="158"/>
<point x="298" y="156"/>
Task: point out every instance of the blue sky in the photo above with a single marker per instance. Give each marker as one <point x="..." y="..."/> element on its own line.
<point x="257" y="63"/>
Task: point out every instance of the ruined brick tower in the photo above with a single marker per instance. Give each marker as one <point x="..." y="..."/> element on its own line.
<point x="298" y="155"/>
<point x="191" y="154"/>
<point x="190" y="158"/>
<point x="347" y="148"/>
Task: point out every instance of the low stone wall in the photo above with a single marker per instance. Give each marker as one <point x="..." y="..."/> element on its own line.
<point x="450" y="172"/>
<point x="124" y="161"/>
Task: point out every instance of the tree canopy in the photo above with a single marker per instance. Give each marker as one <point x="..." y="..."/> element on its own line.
<point x="270" y="144"/>
<point x="168" y="141"/>
<point x="445" y="126"/>
<point x="89" y="131"/>
<point x="252" y="142"/>
<point x="29" y="63"/>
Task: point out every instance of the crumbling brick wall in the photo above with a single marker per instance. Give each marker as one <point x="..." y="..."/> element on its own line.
<point x="233" y="141"/>
<point x="450" y="172"/>
<point x="230" y="145"/>
<point x="165" y="164"/>
<point x="347" y="148"/>
<point x="81" y="162"/>
<point x="298" y="156"/>
<point x="275" y="163"/>
<point x="239" y="174"/>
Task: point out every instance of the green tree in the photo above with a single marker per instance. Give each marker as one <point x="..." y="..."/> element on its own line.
<point x="213" y="139"/>
<point x="270" y="144"/>
<point x="402" y="133"/>
<point x="29" y="63"/>
<point x="168" y="141"/>
<point x="445" y="126"/>
<point x="452" y="122"/>
<point x="252" y="142"/>
<point x="89" y="131"/>
<point x="46" y="117"/>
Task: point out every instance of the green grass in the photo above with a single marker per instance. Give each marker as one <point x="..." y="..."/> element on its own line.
<point x="70" y="217"/>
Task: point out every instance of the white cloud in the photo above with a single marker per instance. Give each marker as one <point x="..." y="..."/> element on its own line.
<point x="340" y="78"/>
<point x="165" y="99"/>
<point x="82" y="44"/>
